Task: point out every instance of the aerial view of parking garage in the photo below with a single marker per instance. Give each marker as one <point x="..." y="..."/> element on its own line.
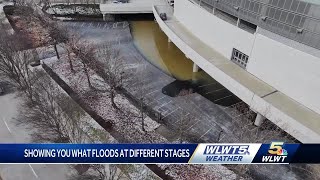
<point x="159" y="72"/>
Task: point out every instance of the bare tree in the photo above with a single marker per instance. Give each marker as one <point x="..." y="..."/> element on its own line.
<point x="100" y="171"/>
<point x="72" y="115"/>
<point x="110" y="67"/>
<point x="246" y="131"/>
<point x="14" y="64"/>
<point x="57" y="32"/>
<point x="193" y="171"/>
<point x="30" y="12"/>
<point x="47" y="116"/>
<point x="69" y="46"/>
<point x="85" y="53"/>
<point x="140" y="94"/>
<point x="183" y="125"/>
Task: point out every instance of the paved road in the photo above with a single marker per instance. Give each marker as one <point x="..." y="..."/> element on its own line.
<point x="10" y="132"/>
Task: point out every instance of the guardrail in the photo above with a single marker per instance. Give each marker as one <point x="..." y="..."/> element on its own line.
<point x="78" y="1"/>
<point x="295" y="19"/>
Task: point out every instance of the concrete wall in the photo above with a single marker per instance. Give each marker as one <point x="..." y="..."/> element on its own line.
<point x="277" y="113"/>
<point x="293" y="72"/>
<point x="212" y="30"/>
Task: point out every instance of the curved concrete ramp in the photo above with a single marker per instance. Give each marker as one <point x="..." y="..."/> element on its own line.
<point x="294" y="118"/>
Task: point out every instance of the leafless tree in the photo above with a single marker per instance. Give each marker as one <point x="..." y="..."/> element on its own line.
<point x="100" y="171"/>
<point x="140" y="93"/>
<point x="30" y="12"/>
<point x="69" y="46"/>
<point x="183" y="124"/>
<point x="85" y="53"/>
<point x="14" y="64"/>
<point x="110" y="67"/>
<point x="246" y="131"/>
<point x="191" y="172"/>
<point x="57" y="32"/>
<point x="52" y="121"/>
<point x="72" y="115"/>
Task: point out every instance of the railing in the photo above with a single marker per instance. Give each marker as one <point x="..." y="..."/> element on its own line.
<point x="77" y="1"/>
<point x="295" y="19"/>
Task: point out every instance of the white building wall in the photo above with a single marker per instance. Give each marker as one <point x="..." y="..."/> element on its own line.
<point x="293" y="72"/>
<point x="212" y="30"/>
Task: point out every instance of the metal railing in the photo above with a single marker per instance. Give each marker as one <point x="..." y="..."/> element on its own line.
<point x="295" y="19"/>
<point x="77" y="1"/>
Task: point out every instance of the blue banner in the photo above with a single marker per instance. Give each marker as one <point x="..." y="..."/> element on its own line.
<point x="275" y="152"/>
<point x="96" y="153"/>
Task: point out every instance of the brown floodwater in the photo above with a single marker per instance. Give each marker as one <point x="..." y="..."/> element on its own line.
<point x="154" y="45"/>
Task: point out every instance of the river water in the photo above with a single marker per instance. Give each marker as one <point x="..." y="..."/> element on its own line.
<point x="153" y="43"/>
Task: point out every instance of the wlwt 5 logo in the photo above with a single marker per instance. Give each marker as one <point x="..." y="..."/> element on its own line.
<point x="276" y="153"/>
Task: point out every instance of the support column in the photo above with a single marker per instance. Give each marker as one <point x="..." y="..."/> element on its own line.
<point x="259" y="119"/>
<point x="194" y="74"/>
<point x="169" y="40"/>
<point x="104" y="17"/>
<point x="195" y="68"/>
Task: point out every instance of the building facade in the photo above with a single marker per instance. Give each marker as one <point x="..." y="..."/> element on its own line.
<point x="276" y="42"/>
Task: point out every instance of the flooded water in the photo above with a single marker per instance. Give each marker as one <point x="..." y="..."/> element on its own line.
<point x="153" y="43"/>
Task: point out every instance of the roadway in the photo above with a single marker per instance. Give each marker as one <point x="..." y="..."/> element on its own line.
<point x="10" y="132"/>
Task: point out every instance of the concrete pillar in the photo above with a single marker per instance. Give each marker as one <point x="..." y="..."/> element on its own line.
<point x="195" y="68"/>
<point x="104" y="17"/>
<point x="259" y="119"/>
<point x="169" y="40"/>
<point x="194" y="78"/>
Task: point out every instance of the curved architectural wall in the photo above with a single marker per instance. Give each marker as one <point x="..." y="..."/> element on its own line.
<point x="293" y="72"/>
<point x="212" y="30"/>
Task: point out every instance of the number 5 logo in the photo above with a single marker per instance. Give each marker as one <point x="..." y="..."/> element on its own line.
<point x="275" y="148"/>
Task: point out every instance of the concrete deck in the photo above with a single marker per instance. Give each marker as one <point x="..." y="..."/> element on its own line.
<point x="299" y="121"/>
<point x="132" y="7"/>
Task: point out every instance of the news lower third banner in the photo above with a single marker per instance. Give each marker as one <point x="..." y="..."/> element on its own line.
<point x="275" y="152"/>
